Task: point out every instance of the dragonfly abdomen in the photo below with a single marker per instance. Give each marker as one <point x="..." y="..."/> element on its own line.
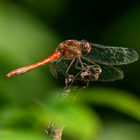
<point x="53" y="57"/>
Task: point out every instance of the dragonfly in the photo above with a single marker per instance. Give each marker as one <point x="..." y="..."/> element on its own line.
<point x="80" y="60"/>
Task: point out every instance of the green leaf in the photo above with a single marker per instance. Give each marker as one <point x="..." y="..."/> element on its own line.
<point x="21" y="135"/>
<point x="120" y="130"/>
<point x="116" y="99"/>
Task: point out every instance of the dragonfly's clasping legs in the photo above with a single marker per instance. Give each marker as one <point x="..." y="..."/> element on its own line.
<point x="81" y="62"/>
<point x="77" y="67"/>
<point x="88" y="60"/>
<point x="69" y="66"/>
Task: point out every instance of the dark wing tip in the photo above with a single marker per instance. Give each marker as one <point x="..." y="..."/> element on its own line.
<point x="130" y="56"/>
<point x="134" y="54"/>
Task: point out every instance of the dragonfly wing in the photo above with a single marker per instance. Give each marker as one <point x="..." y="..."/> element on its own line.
<point x="53" y="69"/>
<point x="61" y="66"/>
<point x="110" y="73"/>
<point x="110" y="55"/>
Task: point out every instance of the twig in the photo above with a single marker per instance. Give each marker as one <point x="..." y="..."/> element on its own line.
<point x="54" y="131"/>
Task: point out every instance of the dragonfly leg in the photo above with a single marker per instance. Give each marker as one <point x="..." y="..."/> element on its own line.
<point x="78" y="67"/>
<point x="80" y="61"/>
<point x="88" y="60"/>
<point x="69" y="66"/>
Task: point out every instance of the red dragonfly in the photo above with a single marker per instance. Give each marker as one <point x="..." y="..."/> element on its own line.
<point x="69" y="50"/>
<point x="97" y="62"/>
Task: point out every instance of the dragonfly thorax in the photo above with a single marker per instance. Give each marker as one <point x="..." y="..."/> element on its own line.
<point x="71" y="49"/>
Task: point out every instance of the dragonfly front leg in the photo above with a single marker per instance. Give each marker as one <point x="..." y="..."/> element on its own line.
<point x="82" y="66"/>
<point x="76" y="66"/>
<point x="81" y="63"/>
<point x="88" y="60"/>
<point x="66" y="73"/>
<point x="69" y="79"/>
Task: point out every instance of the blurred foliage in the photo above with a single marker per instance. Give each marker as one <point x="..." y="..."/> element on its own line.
<point x="119" y="100"/>
<point x="30" y="31"/>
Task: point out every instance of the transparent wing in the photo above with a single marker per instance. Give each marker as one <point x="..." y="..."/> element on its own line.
<point x="53" y="69"/>
<point x="110" y="73"/>
<point x="60" y="67"/>
<point x="110" y="55"/>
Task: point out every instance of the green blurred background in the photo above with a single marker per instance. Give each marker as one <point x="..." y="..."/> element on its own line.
<point x="29" y="31"/>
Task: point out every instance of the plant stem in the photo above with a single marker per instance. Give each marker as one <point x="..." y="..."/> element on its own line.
<point x="54" y="131"/>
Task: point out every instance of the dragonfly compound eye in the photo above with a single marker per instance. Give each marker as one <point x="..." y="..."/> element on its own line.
<point x="85" y="45"/>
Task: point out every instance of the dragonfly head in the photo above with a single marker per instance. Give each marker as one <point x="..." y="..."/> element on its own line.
<point x="85" y="45"/>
